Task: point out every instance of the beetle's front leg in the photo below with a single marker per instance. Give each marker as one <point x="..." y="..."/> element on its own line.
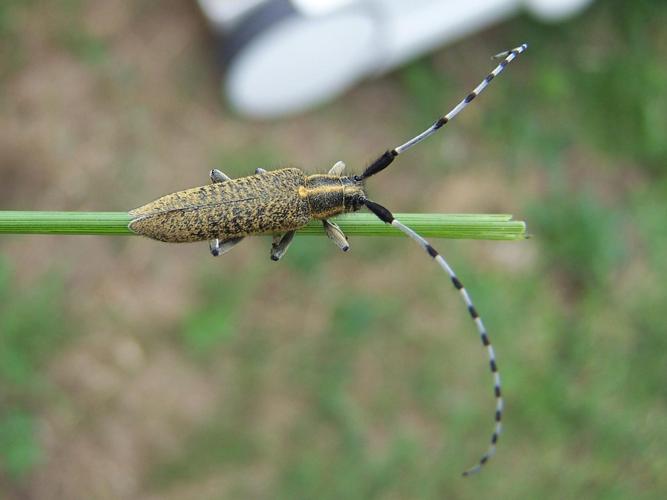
<point x="337" y="169"/>
<point x="336" y="235"/>
<point x="281" y="243"/>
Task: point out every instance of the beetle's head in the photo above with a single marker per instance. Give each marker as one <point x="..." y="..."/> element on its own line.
<point x="353" y="186"/>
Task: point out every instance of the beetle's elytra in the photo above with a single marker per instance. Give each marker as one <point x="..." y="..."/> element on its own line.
<point x="282" y="201"/>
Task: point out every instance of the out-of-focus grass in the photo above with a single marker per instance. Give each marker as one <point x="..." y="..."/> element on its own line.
<point x="215" y="321"/>
<point x="597" y="80"/>
<point x="11" y="50"/>
<point x="31" y="332"/>
<point x="581" y="335"/>
<point x="84" y="46"/>
<point x="346" y="376"/>
<point x="579" y="237"/>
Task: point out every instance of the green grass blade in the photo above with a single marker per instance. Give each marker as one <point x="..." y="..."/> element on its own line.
<point x="15" y="222"/>
<point x="462" y="226"/>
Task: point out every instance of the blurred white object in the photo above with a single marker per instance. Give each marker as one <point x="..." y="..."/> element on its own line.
<point x="284" y="56"/>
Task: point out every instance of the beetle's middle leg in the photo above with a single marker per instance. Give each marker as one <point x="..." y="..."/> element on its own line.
<point x="336" y="235"/>
<point x="216" y="246"/>
<point x="220" y="247"/>
<point x="281" y="243"/>
<point x="217" y="176"/>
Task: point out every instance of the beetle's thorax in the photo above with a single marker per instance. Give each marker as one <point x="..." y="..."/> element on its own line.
<point x="330" y="195"/>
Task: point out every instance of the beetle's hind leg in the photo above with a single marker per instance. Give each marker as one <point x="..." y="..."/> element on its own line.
<point x="217" y="176"/>
<point x="336" y="235"/>
<point x="281" y="243"/>
<point x="218" y="247"/>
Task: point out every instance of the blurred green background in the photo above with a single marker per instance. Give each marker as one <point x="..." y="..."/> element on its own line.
<point x="133" y="369"/>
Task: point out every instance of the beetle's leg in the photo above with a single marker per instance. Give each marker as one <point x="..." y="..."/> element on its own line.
<point x="336" y="235"/>
<point x="281" y="243"/>
<point x="217" y="176"/>
<point x="259" y="170"/>
<point x="337" y="169"/>
<point x="221" y="247"/>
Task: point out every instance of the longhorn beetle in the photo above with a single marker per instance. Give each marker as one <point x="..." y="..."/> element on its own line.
<point x="282" y="201"/>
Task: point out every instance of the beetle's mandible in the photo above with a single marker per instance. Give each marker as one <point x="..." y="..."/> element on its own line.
<point x="282" y="201"/>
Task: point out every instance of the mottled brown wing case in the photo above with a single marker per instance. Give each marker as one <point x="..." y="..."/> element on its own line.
<point x="264" y="203"/>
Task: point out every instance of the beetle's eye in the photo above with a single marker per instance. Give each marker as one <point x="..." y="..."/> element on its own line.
<point x="357" y="178"/>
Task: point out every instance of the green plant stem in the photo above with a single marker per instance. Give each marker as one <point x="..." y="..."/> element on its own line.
<point x="464" y="226"/>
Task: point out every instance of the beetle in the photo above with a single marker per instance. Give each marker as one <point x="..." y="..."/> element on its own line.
<point x="281" y="201"/>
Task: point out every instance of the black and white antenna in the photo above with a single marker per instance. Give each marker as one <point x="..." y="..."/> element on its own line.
<point x="385" y="215"/>
<point x="384" y="160"/>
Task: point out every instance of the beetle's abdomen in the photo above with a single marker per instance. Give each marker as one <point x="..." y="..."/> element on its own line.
<point x="264" y="203"/>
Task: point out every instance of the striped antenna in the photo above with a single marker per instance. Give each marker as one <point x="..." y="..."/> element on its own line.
<point x="386" y="216"/>
<point x="388" y="156"/>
